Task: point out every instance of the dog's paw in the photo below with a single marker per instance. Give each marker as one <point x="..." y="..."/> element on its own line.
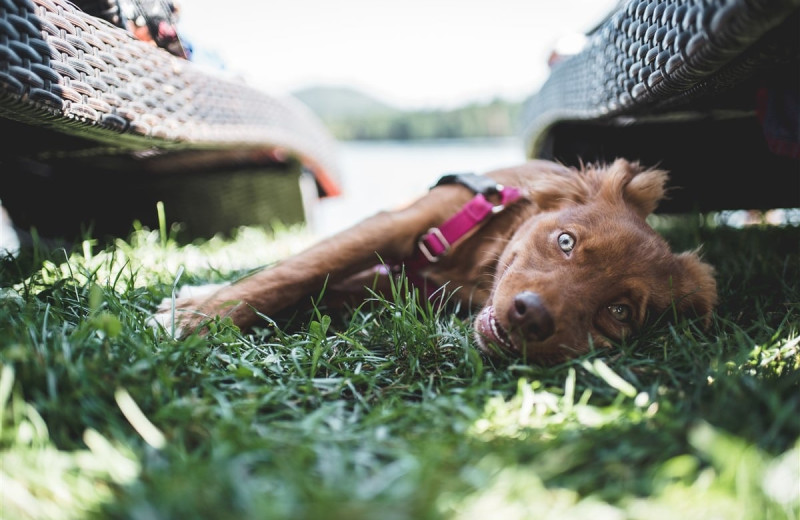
<point x="181" y="314"/>
<point x="165" y="321"/>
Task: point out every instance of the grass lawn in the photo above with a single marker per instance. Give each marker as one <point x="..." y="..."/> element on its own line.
<point x="388" y="413"/>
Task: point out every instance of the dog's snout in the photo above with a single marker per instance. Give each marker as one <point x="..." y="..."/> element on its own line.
<point x="530" y="316"/>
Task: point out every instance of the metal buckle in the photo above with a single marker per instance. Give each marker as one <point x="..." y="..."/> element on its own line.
<point x="424" y="247"/>
<point x="500" y="207"/>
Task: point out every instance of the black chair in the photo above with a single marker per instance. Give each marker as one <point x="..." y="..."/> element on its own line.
<point x="708" y="89"/>
<point x="99" y="126"/>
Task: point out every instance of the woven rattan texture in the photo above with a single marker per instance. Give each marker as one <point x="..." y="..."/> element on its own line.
<point x="655" y="54"/>
<point x="65" y="69"/>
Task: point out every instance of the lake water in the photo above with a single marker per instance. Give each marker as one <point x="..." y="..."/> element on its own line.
<point x="379" y="175"/>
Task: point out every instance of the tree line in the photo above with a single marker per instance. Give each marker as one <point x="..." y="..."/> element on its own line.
<point x="498" y="118"/>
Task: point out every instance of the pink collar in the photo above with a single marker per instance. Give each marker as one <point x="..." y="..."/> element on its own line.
<point x="439" y="241"/>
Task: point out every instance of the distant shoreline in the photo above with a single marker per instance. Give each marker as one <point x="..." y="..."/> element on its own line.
<point x="354" y="116"/>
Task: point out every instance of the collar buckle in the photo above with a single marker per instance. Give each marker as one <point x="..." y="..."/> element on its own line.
<point x="432" y="256"/>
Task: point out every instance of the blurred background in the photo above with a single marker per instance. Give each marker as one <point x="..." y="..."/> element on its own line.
<point x="409" y="90"/>
<point x="327" y="112"/>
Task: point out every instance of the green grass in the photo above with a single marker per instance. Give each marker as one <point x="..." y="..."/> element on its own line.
<point x="389" y="412"/>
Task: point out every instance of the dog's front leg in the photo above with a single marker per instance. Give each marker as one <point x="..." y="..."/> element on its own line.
<point x="387" y="236"/>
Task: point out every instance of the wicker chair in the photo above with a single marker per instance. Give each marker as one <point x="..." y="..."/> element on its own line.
<point x="100" y="126"/>
<point x="708" y="89"/>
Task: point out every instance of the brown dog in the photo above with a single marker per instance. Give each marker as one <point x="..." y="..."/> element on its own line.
<point x="560" y="262"/>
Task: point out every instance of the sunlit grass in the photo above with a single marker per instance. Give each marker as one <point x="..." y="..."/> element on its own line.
<point x="390" y="411"/>
<point x="37" y="480"/>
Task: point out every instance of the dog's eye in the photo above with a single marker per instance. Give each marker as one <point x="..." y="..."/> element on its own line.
<point x="620" y="311"/>
<point x="566" y="242"/>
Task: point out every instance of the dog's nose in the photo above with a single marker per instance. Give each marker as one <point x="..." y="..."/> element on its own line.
<point x="529" y="315"/>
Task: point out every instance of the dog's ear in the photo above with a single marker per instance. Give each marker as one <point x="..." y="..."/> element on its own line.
<point x="555" y="189"/>
<point x="643" y="187"/>
<point x="694" y="285"/>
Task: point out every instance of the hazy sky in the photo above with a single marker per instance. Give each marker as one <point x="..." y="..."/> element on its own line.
<point x="411" y="53"/>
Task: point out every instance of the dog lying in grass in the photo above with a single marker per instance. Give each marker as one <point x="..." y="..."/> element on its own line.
<point x="555" y="260"/>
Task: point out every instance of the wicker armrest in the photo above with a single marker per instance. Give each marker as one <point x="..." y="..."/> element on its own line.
<point x="80" y="94"/>
<point x="678" y="83"/>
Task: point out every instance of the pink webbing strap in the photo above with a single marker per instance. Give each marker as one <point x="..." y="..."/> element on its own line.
<point x="438" y="241"/>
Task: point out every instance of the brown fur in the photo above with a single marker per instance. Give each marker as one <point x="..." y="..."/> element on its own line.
<point x="536" y="299"/>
